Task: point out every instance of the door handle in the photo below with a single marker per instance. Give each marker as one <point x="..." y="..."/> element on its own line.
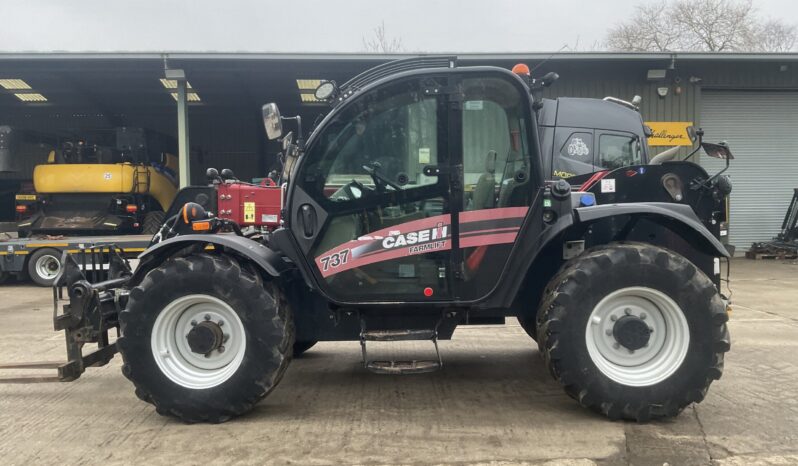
<point x="308" y="215"/>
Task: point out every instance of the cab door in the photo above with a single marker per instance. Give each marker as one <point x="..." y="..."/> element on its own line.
<point x="371" y="203"/>
<point x="498" y="178"/>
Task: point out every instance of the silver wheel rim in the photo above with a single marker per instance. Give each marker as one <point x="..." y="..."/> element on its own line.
<point x="174" y="356"/>
<point x="47" y="267"/>
<point x="667" y="345"/>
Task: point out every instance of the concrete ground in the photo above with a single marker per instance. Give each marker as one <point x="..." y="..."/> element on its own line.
<point x="493" y="403"/>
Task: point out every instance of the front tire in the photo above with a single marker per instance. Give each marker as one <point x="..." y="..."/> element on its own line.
<point x="204" y="338"/>
<point x="633" y="331"/>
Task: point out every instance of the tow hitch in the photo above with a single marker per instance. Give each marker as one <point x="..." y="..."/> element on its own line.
<point x="89" y="311"/>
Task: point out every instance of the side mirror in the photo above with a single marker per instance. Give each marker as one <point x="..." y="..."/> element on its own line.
<point x="691" y="133"/>
<point x="272" y="121"/>
<point x="549" y="78"/>
<point x="718" y="151"/>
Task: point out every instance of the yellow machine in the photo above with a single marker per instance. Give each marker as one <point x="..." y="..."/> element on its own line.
<point x="80" y="192"/>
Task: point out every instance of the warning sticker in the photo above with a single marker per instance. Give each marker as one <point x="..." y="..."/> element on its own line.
<point x="249" y="212"/>
<point x="423" y="155"/>
<point x="608" y="185"/>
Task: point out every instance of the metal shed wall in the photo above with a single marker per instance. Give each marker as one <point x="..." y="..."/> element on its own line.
<point x="760" y="127"/>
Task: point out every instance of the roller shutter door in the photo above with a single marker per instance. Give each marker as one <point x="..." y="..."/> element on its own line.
<point x="762" y="131"/>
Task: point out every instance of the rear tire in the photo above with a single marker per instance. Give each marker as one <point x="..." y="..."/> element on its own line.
<point x="44" y="265"/>
<point x="300" y="347"/>
<point x="529" y="325"/>
<point x="250" y="316"/>
<point x="152" y="222"/>
<point x="592" y="331"/>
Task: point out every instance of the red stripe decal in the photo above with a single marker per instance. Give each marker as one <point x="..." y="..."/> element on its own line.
<point x="422" y="236"/>
<point x="593" y="180"/>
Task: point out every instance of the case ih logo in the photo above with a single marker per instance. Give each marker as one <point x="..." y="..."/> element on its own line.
<point x="397" y="239"/>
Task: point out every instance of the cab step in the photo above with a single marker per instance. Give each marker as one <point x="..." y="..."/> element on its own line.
<point x="403" y="367"/>
<point x="400" y="367"/>
<point x="398" y="335"/>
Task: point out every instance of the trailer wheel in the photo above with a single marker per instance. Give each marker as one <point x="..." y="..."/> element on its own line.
<point x="204" y="338"/>
<point x="44" y="265"/>
<point x="633" y="331"/>
<point x="301" y="346"/>
<point x="152" y="222"/>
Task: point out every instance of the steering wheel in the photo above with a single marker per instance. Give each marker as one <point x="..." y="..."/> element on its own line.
<point x="380" y="181"/>
<point x="350" y="193"/>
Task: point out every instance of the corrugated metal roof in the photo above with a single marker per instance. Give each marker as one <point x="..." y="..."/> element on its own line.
<point x="623" y="56"/>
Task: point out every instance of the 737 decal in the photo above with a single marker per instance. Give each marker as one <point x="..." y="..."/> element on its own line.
<point x="334" y="260"/>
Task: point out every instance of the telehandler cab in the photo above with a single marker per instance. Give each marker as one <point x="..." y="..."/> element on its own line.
<point x="418" y="204"/>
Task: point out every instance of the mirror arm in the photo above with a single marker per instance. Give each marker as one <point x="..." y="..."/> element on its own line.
<point x="300" y="141"/>
<point x="698" y="146"/>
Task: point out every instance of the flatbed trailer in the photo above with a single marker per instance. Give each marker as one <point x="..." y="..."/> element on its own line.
<point x="40" y="259"/>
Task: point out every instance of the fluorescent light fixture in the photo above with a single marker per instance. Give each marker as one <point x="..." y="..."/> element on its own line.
<point x="172" y="83"/>
<point x="31" y="97"/>
<point x="191" y="96"/>
<point x="14" y="84"/>
<point x="308" y="98"/>
<point x="308" y="84"/>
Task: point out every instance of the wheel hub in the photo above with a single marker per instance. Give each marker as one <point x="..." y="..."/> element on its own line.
<point x="631" y="332"/>
<point x="205" y="337"/>
<point x="637" y="336"/>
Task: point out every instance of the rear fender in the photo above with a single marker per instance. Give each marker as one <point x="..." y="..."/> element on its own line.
<point x="587" y="223"/>
<point x="677" y="217"/>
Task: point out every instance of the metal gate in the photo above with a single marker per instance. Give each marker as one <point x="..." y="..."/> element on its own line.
<point x="761" y="128"/>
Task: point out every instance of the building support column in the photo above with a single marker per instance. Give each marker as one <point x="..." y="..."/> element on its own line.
<point x="182" y="134"/>
<point x="183" y="150"/>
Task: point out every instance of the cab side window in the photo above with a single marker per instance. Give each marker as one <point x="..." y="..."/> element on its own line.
<point x="495" y="148"/>
<point x="389" y="136"/>
<point x="617" y="151"/>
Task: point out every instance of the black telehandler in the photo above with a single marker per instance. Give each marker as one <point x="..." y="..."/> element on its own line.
<point x="419" y="204"/>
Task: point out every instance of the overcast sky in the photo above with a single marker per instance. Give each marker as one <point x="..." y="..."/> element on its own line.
<point x="316" y="26"/>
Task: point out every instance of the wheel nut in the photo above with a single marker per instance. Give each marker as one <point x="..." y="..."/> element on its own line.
<point x="207" y="355"/>
<point x="221" y="322"/>
<point x="627" y="311"/>
<point x="193" y="323"/>
<point x="631" y="351"/>
<point x="651" y="329"/>
<point x="642" y="315"/>
<point x="226" y="337"/>
<point x="207" y="317"/>
<point x="613" y="318"/>
<point x="221" y="349"/>
<point x="616" y="345"/>
<point x="608" y="332"/>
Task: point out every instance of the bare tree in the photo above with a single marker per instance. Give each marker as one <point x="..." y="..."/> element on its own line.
<point x="650" y="29"/>
<point x="701" y="25"/>
<point x="775" y="36"/>
<point x="380" y="42"/>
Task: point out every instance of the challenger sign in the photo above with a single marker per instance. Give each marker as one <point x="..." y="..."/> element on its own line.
<point x="669" y="133"/>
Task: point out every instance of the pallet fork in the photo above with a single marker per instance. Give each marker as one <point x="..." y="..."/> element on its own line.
<point x="91" y="313"/>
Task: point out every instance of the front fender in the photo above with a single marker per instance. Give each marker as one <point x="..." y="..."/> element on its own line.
<point x="680" y="217"/>
<point x="272" y="262"/>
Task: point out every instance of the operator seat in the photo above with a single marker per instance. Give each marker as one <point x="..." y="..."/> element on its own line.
<point x="514" y="190"/>
<point x="484" y="196"/>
